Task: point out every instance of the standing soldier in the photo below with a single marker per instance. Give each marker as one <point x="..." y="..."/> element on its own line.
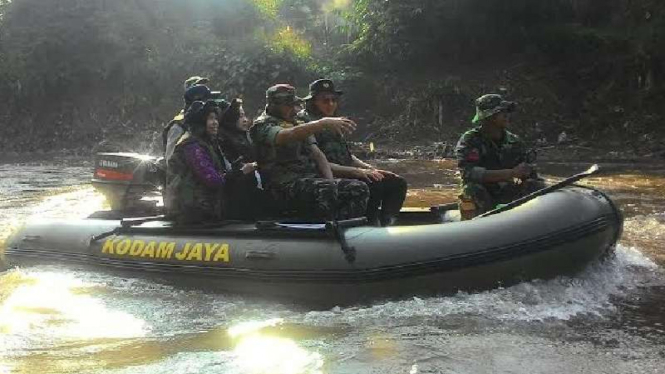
<point x="492" y="160"/>
<point x="387" y="190"/>
<point x="294" y="169"/>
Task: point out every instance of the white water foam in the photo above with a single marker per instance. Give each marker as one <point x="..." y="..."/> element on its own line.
<point x="561" y="298"/>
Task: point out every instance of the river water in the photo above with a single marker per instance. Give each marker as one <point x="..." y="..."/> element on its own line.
<point x="608" y="319"/>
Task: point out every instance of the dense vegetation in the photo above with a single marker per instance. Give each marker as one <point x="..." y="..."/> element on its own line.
<point x="76" y="72"/>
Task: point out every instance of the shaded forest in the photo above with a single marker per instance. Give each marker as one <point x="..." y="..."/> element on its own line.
<point x="74" y="73"/>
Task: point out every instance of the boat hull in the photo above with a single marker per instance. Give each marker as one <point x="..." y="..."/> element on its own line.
<point x="556" y="234"/>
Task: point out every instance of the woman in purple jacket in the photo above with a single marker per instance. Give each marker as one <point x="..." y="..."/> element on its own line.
<point x="196" y="174"/>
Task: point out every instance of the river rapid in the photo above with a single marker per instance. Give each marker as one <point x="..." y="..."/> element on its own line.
<point x="608" y="319"/>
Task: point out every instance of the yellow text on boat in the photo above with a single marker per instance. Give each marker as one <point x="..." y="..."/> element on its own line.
<point x="141" y="249"/>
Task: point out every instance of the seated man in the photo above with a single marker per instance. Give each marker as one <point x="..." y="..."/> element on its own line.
<point x="492" y="160"/>
<point x="294" y="169"/>
<point x="387" y="190"/>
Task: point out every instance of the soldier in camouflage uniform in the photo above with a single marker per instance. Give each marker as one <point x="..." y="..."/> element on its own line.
<point x="492" y="160"/>
<point x="294" y="169"/>
<point x="196" y="173"/>
<point x="387" y="189"/>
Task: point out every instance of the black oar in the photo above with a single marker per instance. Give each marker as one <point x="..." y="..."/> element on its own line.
<point x="127" y="223"/>
<point x="566" y="182"/>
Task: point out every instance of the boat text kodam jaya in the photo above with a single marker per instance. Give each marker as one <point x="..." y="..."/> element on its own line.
<point x="205" y="252"/>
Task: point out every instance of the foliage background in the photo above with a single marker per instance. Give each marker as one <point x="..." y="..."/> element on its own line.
<point x="74" y="73"/>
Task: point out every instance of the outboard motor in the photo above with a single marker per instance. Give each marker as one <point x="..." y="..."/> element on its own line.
<point x="131" y="182"/>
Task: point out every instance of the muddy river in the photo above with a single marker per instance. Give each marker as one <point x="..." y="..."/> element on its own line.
<point x="608" y="319"/>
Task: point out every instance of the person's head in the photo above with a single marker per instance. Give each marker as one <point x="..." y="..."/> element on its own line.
<point x="492" y="109"/>
<point x="281" y="101"/>
<point x="203" y="118"/>
<point x="234" y="118"/>
<point x="323" y="99"/>
<point x="194" y="81"/>
<point x="196" y="93"/>
<point x="212" y="123"/>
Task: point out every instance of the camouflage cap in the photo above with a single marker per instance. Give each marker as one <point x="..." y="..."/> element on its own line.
<point x="491" y="104"/>
<point x="193" y="81"/>
<point x="282" y="94"/>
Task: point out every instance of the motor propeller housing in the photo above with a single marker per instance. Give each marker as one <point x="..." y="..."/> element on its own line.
<point x="126" y="179"/>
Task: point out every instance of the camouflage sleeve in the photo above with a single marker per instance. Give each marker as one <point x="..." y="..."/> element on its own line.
<point x="301" y="119"/>
<point x="521" y="150"/>
<point x="516" y="153"/>
<point x="467" y="153"/>
<point x="265" y="133"/>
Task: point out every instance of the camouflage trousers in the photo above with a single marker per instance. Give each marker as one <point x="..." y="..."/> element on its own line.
<point x="487" y="197"/>
<point x="324" y="199"/>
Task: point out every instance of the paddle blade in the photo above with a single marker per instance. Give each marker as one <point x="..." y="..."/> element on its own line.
<point x="593" y="169"/>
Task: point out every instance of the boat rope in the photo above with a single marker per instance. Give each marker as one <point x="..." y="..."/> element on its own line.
<point x="337" y="229"/>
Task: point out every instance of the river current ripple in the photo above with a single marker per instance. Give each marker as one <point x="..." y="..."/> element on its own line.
<point x="608" y="319"/>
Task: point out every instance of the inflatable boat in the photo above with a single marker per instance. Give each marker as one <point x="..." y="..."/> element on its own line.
<point x="342" y="262"/>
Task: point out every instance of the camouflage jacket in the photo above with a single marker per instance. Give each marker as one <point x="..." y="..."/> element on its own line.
<point x="283" y="164"/>
<point x="476" y="152"/>
<point x="332" y="144"/>
<point x="186" y="197"/>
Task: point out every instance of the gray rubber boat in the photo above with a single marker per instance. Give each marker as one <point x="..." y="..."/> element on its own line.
<point x="345" y="262"/>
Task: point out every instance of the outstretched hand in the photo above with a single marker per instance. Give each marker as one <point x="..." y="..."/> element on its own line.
<point x="341" y="125"/>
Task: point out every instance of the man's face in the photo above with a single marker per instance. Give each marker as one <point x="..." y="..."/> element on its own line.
<point x="501" y="120"/>
<point x="287" y="112"/>
<point x="326" y="103"/>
